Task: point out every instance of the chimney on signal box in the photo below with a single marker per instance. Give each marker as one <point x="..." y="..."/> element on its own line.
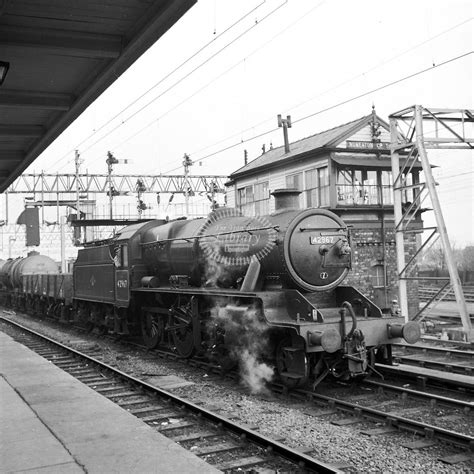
<point x="286" y="124"/>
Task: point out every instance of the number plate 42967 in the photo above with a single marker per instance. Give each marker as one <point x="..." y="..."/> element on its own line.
<point x="321" y="239"/>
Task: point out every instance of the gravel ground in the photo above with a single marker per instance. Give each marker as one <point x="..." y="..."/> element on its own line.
<point x="275" y="416"/>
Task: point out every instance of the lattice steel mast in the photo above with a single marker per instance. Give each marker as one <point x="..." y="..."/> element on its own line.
<point x="408" y="138"/>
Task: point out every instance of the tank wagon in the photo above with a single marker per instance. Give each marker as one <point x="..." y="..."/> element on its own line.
<point x="30" y="283"/>
<point x="226" y="284"/>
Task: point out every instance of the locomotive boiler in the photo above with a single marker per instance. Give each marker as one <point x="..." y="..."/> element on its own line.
<point x="306" y="250"/>
<point x="226" y="285"/>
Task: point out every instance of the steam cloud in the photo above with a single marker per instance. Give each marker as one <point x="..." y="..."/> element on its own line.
<point x="247" y="339"/>
<point x="254" y="373"/>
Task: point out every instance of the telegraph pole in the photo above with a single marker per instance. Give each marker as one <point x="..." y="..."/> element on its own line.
<point x="187" y="162"/>
<point x="77" y="162"/>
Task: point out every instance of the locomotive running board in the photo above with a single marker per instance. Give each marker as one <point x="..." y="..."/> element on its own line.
<point x="199" y="291"/>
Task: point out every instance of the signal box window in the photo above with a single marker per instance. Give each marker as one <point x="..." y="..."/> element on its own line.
<point x="387" y="196"/>
<point x="311" y="185"/>
<point x="262" y="199"/>
<point x="323" y="182"/>
<point x="317" y="187"/>
<point x="295" y="181"/>
<point x="245" y="202"/>
<point x="370" y="188"/>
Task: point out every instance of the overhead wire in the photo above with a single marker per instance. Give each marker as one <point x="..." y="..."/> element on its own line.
<point x="253" y="52"/>
<point x="193" y="55"/>
<point x="397" y="81"/>
<point x="455" y="175"/>
<point x="326" y="109"/>
<point x="329" y="108"/>
<point x="254" y="25"/>
<point x="221" y="75"/>
<point x="398" y="55"/>
<point x="303" y="118"/>
<point x="183" y="63"/>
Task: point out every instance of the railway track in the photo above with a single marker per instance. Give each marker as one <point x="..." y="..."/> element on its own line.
<point x="439" y="358"/>
<point x="432" y="399"/>
<point x="446" y="343"/>
<point x="428" y="292"/>
<point x="222" y="442"/>
<point x="378" y="420"/>
<point x="389" y="415"/>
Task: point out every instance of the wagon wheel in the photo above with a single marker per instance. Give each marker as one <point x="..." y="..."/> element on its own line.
<point x="29" y="305"/>
<point x="37" y="308"/>
<point x="181" y="330"/>
<point x="152" y="329"/>
<point x="292" y="364"/>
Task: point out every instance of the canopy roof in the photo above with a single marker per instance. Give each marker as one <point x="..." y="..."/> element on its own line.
<point x="61" y="55"/>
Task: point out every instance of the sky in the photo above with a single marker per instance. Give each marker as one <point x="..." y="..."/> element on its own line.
<point x="214" y="84"/>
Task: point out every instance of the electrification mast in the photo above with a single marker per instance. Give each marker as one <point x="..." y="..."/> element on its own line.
<point x="408" y="138"/>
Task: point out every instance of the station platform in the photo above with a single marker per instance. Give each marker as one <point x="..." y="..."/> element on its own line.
<point x="52" y="423"/>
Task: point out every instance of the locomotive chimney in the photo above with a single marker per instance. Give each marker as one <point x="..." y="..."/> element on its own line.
<point x="286" y="199"/>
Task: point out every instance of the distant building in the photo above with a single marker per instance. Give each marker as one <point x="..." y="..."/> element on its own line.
<point x="348" y="170"/>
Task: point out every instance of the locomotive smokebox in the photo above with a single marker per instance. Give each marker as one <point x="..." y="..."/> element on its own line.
<point x="286" y="199"/>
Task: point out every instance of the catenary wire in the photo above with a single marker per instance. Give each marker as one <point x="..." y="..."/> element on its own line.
<point x="392" y="83"/>
<point x="166" y="76"/>
<point x="155" y="120"/>
<point x="250" y="128"/>
<point x="268" y="15"/>
<point x="343" y="83"/>
<point x="193" y="55"/>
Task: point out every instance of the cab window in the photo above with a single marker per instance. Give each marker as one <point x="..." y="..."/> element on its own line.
<point x="121" y="256"/>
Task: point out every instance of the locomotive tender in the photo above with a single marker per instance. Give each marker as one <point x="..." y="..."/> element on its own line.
<point x="213" y="286"/>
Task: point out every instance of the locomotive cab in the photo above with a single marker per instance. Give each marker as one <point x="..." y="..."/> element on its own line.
<point x="104" y="274"/>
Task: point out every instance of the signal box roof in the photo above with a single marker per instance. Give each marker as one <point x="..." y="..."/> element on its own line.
<point x="321" y="144"/>
<point x="61" y="55"/>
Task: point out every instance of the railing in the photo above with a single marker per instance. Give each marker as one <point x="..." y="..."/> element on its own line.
<point x="363" y="195"/>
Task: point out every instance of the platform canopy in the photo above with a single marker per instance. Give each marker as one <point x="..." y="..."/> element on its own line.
<point x="58" y="56"/>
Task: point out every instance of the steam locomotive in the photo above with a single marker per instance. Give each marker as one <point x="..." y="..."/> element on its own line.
<point x="224" y="286"/>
